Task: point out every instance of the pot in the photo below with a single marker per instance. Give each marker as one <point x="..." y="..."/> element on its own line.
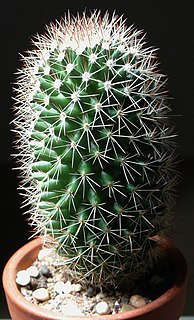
<point x="168" y="306"/>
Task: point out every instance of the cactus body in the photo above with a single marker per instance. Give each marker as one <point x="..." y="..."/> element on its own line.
<point x="95" y="144"/>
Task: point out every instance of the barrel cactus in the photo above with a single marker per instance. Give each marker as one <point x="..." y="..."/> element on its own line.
<point x="95" y="145"/>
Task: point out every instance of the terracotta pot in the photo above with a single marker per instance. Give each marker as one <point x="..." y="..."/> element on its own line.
<point x="168" y="306"/>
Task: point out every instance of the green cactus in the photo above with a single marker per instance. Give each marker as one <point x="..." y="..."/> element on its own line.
<point x="95" y="144"/>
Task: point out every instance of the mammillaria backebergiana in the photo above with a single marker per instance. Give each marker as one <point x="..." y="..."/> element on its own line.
<point x="95" y="144"/>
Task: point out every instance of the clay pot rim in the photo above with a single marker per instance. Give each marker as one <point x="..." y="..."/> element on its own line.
<point x="13" y="292"/>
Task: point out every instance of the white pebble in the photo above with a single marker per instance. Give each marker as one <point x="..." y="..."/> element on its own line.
<point x="32" y="271"/>
<point x="76" y="287"/>
<point x="137" y="301"/>
<point x="67" y="287"/>
<point x="43" y="253"/>
<point x="100" y="296"/>
<point x="63" y="288"/>
<point x="22" y="278"/>
<point x="71" y="309"/>
<point x="41" y="294"/>
<point x="58" y="287"/>
<point x="25" y="292"/>
<point x="102" y="308"/>
<point x="21" y="273"/>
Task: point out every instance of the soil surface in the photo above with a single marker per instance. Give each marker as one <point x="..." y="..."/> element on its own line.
<point x="53" y="288"/>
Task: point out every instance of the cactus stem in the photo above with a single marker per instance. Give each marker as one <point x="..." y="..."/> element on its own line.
<point x="95" y="144"/>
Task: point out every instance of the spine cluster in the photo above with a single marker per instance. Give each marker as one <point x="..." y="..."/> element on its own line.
<point x="95" y="144"/>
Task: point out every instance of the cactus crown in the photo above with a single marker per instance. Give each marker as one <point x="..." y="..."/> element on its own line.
<point x="95" y="144"/>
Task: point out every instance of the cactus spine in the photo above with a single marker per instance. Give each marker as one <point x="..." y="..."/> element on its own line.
<point x="95" y="144"/>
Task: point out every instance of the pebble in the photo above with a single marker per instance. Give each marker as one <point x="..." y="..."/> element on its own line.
<point x="43" y="253"/>
<point x="33" y="283"/>
<point x="25" y="292"/>
<point x="61" y="287"/>
<point x="137" y="301"/>
<point x="102" y="308"/>
<point x="23" y="278"/>
<point x="33" y="271"/>
<point x="91" y="292"/>
<point x="41" y="294"/>
<point x="45" y="271"/>
<point x="126" y="307"/>
<point x="71" y="309"/>
<point x="76" y="287"/>
<point x="100" y="296"/>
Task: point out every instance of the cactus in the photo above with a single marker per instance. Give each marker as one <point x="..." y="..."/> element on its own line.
<point x="95" y="144"/>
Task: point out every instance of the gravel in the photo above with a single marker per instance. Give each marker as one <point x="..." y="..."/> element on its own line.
<point x="51" y="288"/>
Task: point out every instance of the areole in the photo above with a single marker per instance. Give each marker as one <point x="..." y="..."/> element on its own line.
<point x="168" y="306"/>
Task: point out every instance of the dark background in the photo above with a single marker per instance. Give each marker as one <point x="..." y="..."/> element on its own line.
<point x="169" y="25"/>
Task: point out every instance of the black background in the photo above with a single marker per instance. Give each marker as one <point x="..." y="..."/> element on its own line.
<point x="169" y="26"/>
